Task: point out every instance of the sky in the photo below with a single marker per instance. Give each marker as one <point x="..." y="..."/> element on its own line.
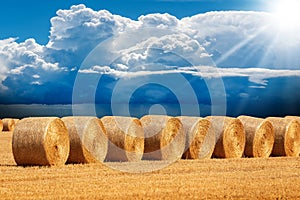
<point x="195" y="57"/>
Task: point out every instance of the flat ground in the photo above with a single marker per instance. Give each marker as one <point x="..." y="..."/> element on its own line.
<point x="272" y="178"/>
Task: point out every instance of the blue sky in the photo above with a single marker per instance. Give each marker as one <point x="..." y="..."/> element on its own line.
<point x="201" y="57"/>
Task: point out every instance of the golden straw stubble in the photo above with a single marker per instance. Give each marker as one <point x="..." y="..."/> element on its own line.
<point x="40" y="141"/>
<point x="287" y="136"/>
<point x="126" y="138"/>
<point x="88" y="141"/>
<point x="200" y="137"/>
<point x="259" y="136"/>
<point x="8" y="124"/>
<point x="164" y="138"/>
<point x="230" y="137"/>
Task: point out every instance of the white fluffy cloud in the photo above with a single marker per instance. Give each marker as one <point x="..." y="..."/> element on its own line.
<point x="240" y="44"/>
<point x="81" y="26"/>
<point x="21" y="58"/>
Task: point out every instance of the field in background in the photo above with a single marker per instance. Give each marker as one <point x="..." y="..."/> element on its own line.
<point x="215" y="178"/>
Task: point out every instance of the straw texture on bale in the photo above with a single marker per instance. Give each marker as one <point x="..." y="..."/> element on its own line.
<point x="1" y="125"/>
<point x="259" y="136"/>
<point x="230" y="137"/>
<point x="292" y="117"/>
<point x="164" y="138"/>
<point x="88" y="141"/>
<point x="200" y="137"/>
<point x="40" y="141"/>
<point x="16" y="120"/>
<point x="8" y="124"/>
<point x="287" y="136"/>
<point x="126" y="138"/>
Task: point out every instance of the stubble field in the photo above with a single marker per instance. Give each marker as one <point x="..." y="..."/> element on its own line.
<point x="246" y="178"/>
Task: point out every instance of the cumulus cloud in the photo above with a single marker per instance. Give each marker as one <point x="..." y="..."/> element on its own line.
<point x="214" y="45"/>
<point x="80" y="26"/>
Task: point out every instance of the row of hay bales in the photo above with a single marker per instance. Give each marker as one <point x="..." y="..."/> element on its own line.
<point x="55" y="141"/>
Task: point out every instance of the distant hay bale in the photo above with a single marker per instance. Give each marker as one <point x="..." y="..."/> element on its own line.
<point x="292" y="117"/>
<point x="164" y="138"/>
<point x="287" y="136"/>
<point x="16" y="120"/>
<point x="126" y="138"/>
<point x="200" y="137"/>
<point x="8" y="124"/>
<point x="40" y="141"/>
<point x="1" y="125"/>
<point x="259" y="136"/>
<point x="88" y="141"/>
<point x="230" y="137"/>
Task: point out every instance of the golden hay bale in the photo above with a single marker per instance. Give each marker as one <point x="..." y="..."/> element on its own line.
<point x="40" y="141"/>
<point x="16" y="120"/>
<point x="88" y="141"/>
<point x="230" y="137"/>
<point x="8" y="124"/>
<point x="126" y="138"/>
<point x="287" y="136"/>
<point x="292" y="117"/>
<point x="1" y="125"/>
<point x="259" y="136"/>
<point x="200" y="137"/>
<point x="164" y="138"/>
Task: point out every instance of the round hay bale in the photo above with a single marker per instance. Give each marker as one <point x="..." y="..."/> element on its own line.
<point x="40" y="141"/>
<point x="292" y="117"/>
<point x="88" y="141"/>
<point x="16" y="121"/>
<point x="230" y="137"/>
<point x="200" y="137"/>
<point x="8" y="124"/>
<point x="1" y="125"/>
<point x="164" y="138"/>
<point x="126" y="138"/>
<point x="259" y="136"/>
<point x="287" y="136"/>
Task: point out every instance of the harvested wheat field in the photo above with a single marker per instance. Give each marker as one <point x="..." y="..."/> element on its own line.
<point x="263" y="178"/>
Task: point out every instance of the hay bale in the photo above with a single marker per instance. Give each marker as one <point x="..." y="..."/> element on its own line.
<point x="8" y="124"/>
<point x="164" y="138"/>
<point x="126" y="138"/>
<point x="287" y="136"/>
<point x="1" y="125"/>
<point x="16" y="120"/>
<point x="88" y="141"/>
<point x="230" y="137"/>
<point x="200" y="137"/>
<point x="40" y="141"/>
<point x="292" y="117"/>
<point x="259" y="136"/>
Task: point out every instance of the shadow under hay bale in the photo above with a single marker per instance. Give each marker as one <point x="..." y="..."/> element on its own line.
<point x="40" y="141"/>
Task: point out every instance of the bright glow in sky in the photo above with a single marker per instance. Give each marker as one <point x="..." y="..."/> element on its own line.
<point x="287" y="14"/>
